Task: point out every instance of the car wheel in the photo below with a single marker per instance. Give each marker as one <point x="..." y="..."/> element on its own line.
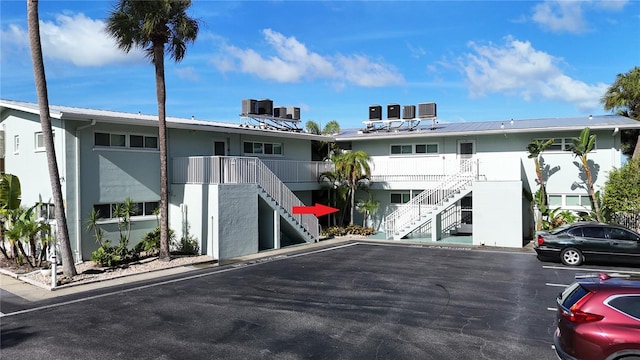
<point x="571" y="257"/>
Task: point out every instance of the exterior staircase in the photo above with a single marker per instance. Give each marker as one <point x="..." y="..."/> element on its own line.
<point x="248" y="170"/>
<point x="280" y="198"/>
<point x="422" y="210"/>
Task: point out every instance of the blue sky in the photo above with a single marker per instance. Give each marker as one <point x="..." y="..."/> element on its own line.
<point x="477" y="60"/>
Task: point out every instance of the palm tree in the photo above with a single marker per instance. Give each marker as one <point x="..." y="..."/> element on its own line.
<point x="354" y="168"/>
<point x="623" y="96"/>
<point x="580" y="147"/>
<point x="535" y="149"/>
<point x="10" y="200"/>
<point x="368" y="208"/>
<point x="62" y="231"/>
<point x="152" y="25"/>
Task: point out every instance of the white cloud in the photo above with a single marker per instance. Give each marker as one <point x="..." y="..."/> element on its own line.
<point x="518" y="69"/>
<point x="560" y="16"/>
<point x="73" y="38"/>
<point x="293" y="62"/>
<point x="569" y="15"/>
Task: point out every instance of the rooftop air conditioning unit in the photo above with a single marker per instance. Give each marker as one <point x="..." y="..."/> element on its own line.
<point x="293" y="113"/>
<point x="280" y="112"/>
<point x="393" y="111"/>
<point x="249" y="106"/>
<point x="409" y="112"/>
<point x="427" y="110"/>
<point x="375" y="112"/>
<point x="265" y="107"/>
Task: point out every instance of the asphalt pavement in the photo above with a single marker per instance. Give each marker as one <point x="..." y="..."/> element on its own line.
<point x="352" y="300"/>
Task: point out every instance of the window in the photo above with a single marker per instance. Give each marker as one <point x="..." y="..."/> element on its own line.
<point x="141" y="141"/>
<point x="107" y="211"/>
<point x="47" y="211"/>
<point x="400" y="198"/>
<point x="260" y="148"/>
<point x="39" y="141"/>
<point x="401" y="149"/>
<point x="628" y="304"/>
<point x="593" y="232"/>
<point x="580" y="201"/>
<point x="149" y="142"/>
<point x="621" y="234"/>
<point x="426" y="148"/>
<point x="562" y="144"/>
<point x="414" y="149"/>
<point x="16" y="144"/>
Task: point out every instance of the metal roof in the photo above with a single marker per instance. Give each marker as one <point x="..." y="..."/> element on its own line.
<point x="395" y="128"/>
<point x="426" y="128"/>
<point x="116" y="117"/>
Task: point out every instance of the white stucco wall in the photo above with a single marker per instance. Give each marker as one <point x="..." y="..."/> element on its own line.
<point x="497" y="213"/>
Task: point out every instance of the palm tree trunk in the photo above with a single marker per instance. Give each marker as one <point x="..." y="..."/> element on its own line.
<point x="33" y="21"/>
<point x="161" y="94"/>
<point x="592" y="193"/>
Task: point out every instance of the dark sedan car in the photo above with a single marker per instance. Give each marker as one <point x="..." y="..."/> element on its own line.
<point x="575" y="243"/>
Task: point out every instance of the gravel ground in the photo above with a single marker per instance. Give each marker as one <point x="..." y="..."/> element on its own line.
<point x="89" y="272"/>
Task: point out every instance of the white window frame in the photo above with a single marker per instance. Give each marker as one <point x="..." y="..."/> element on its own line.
<point x="127" y="141"/>
<point x="564" y="144"/>
<point x="583" y="199"/>
<point x="16" y="144"/>
<point x="36" y="135"/>
<point x="413" y="150"/>
<point x="263" y="146"/>
<point x="144" y="141"/>
<point x="402" y="195"/>
<point x="108" y="218"/>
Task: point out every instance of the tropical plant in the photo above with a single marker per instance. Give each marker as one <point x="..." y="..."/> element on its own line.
<point x="622" y="191"/>
<point x="62" y="230"/>
<point x="124" y="211"/>
<point x="156" y="26"/>
<point x="10" y="199"/>
<point x="32" y="231"/>
<point x="353" y="167"/>
<point x="535" y="149"/>
<point x="581" y="146"/>
<point x="337" y="192"/>
<point x="623" y="96"/>
<point x="92" y="225"/>
<point x="368" y="208"/>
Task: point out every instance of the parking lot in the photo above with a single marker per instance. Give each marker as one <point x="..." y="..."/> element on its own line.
<point x="357" y="300"/>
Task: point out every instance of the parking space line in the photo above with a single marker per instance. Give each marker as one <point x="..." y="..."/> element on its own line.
<point x="556" y="285"/>
<point x="551" y="309"/>
<point x="590" y="269"/>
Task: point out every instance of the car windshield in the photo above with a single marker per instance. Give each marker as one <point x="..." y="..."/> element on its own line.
<point x="560" y="229"/>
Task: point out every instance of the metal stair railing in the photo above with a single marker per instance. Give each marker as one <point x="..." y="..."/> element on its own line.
<point x="285" y="198"/>
<point x="253" y="171"/>
<point x="427" y="201"/>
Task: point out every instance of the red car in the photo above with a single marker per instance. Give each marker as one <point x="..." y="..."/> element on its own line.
<point x="599" y="318"/>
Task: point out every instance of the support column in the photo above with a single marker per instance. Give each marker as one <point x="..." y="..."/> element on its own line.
<point x="436" y="227"/>
<point x="276" y="229"/>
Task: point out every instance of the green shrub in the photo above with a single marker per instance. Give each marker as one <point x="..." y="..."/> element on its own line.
<point x="150" y="243"/>
<point x="106" y="255"/>
<point x="349" y="230"/>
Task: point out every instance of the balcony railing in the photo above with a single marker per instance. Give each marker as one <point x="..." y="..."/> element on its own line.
<point x="241" y="170"/>
<point x="208" y="170"/>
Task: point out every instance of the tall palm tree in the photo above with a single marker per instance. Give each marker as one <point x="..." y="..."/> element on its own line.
<point x="62" y="230"/>
<point x="580" y="147"/>
<point x="156" y="27"/>
<point x="623" y="96"/>
<point x="535" y="149"/>
<point x="354" y="168"/>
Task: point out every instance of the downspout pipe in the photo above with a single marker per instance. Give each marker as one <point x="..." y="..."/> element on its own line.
<point x="78" y="200"/>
